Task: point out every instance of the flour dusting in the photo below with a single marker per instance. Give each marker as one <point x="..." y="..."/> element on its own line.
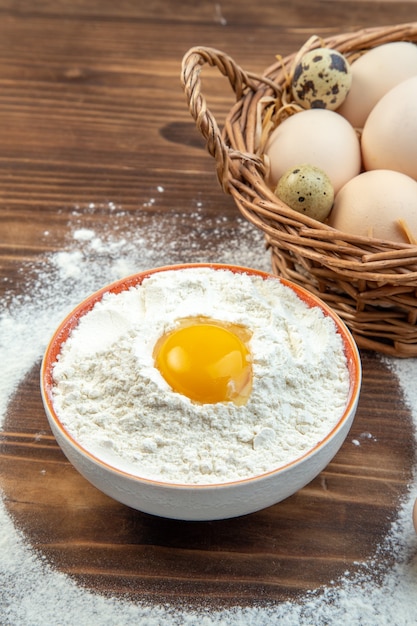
<point x="34" y="594"/>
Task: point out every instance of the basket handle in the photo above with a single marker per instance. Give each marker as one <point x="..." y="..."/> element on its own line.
<point x="192" y="64"/>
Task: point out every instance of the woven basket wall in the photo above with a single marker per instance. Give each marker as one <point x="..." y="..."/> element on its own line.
<point x="370" y="283"/>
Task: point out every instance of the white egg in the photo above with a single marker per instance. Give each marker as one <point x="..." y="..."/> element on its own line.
<point x="373" y="74"/>
<point x="374" y="204"/>
<point x="318" y="137"/>
<point x="389" y="138"/>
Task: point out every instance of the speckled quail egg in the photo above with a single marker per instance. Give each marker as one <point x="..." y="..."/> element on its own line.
<point x="321" y="79"/>
<point x="306" y="189"/>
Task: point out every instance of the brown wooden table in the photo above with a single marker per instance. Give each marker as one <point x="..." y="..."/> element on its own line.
<point x="93" y="117"/>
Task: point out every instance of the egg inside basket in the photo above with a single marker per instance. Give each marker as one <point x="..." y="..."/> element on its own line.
<point x="370" y="282"/>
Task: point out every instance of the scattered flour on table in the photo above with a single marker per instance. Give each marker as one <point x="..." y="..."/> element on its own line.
<point x="34" y="594"/>
<point x="113" y="400"/>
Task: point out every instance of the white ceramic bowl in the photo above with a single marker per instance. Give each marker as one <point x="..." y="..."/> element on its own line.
<point x="199" y="502"/>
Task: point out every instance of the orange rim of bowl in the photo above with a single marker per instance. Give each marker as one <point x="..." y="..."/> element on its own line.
<point x="65" y="328"/>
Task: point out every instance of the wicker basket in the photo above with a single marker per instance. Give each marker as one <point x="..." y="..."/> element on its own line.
<point x="370" y="283"/>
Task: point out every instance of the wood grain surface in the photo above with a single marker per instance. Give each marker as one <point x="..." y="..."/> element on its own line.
<point x="308" y="540"/>
<point x="91" y="110"/>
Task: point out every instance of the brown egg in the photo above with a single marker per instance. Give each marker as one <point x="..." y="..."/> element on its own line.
<point x="319" y="137"/>
<point x="379" y="204"/>
<point x="374" y="74"/>
<point x="389" y="138"/>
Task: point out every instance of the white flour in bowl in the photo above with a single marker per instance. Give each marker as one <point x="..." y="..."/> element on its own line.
<point x="113" y="400"/>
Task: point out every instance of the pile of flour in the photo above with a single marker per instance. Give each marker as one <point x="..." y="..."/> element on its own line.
<point x="113" y="400"/>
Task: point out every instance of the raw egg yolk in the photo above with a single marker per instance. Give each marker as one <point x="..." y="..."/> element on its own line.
<point x="206" y="360"/>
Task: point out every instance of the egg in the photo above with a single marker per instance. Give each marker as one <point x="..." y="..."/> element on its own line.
<point x="389" y="138"/>
<point x="321" y="79"/>
<point x="306" y="189"/>
<point x="415" y="515"/>
<point x="206" y="360"/>
<point x="318" y="137"/>
<point x="380" y="204"/>
<point x="374" y="74"/>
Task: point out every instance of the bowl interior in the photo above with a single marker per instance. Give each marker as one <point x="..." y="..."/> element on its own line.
<point x="70" y="322"/>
